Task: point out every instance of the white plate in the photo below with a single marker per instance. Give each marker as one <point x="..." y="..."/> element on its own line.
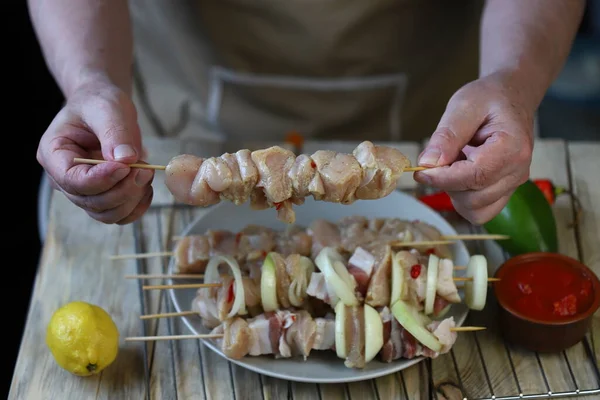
<point x="321" y="366"/>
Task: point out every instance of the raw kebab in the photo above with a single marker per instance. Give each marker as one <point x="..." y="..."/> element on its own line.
<point x="276" y="178"/>
<point x="293" y="282"/>
<point x="357" y="334"/>
<point x="253" y="242"/>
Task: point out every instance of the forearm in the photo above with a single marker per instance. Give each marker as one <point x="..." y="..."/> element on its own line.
<point x="84" y="40"/>
<point x="528" y="39"/>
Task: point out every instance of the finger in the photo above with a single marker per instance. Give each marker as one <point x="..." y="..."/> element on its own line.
<point x="141" y="208"/>
<point x="456" y="128"/>
<point x="482" y="215"/>
<point x="121" y="212"/>
<point x="112" y="117"/>
<point x="499" y="156"/>
<point x="129" y="190"/>
<point x="477" y="199"/>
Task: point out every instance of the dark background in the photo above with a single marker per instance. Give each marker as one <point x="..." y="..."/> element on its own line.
<point x="34" y="99"/>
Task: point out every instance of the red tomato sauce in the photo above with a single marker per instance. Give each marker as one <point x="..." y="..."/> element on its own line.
<point x="547" y="291"/>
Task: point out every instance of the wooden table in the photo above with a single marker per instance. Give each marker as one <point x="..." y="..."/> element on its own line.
<point x="74" y="266"/>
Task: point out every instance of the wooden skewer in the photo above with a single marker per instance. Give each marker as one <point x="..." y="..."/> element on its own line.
<point x="468" y="328"/>
<point x="182" y="286"/>
<point x="420" y="243"/>
<point x="143" y="255"/>
<point x="172" y="254"/>
<point x="209" y="285"/>
<point x="444" y="237"/>
<point x="164" y="167"/>
<point x="166" y="315"/>
<point x="475" y="237"/>
<point x="143" y="166"/>
<point x="166" y="276"/>
<point x="173" y="337"/>
<point x="220" y="335"/>
<point x="466" y="279"/>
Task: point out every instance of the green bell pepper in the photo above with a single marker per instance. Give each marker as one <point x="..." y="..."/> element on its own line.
<point x="528" y="220"/>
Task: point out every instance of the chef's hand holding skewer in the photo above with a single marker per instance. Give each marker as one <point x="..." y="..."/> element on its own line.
<point x="98" y="120"/>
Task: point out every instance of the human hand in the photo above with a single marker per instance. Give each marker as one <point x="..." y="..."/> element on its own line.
<point x="98" y="121"/>
<point x="482" y="147"/>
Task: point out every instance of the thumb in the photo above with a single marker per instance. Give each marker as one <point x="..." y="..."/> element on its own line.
<point x="115" y="125"/>
<point x="458" y="125"/>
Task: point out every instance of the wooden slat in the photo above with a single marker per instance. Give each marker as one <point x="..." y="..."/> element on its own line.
<point x="333" y="391"/>
<point x="305" y="391"/>
<point x="416" y="381"/>
<point x="246" y="384"/>
<point x="274" y="388"/>
<point x="585" y="175"/>
<point x="167" y="377"/>
<point x="187" y="359"/>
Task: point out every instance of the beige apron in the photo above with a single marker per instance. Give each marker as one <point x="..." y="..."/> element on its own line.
<point x="329" y="69"/>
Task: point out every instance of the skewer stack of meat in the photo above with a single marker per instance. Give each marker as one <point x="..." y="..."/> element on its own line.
<point x="276" y="178"/>
<point x="253" y="242"/>
<point x="353" y="297"/>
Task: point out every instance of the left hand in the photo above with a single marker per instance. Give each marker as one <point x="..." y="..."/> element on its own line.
<point x="482" y="147"/>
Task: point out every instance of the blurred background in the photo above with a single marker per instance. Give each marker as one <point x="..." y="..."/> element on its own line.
<point x="571" y="110"/>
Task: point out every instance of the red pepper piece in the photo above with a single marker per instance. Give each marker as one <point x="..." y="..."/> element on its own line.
<point x="415" y="271"/>
<point x="549" y="189"/>
<point x="231" y="293"/>
<point x="439" y="201"/>
<point x="278" y="206"/>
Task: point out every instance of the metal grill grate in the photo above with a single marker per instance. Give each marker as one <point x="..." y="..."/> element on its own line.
<point x="185" y="215"/>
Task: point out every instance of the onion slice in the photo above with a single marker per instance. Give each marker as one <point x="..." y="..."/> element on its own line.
<point x="398" y="280"/>
<point x="476" y="289"/>
<point x="330" y="262"/>
<point x="268" y="285"/>
<point x="373" y="333"/>
<point x="340" y="330"/>
<point x="212" y="275"/>
<point x="415" y="323"/>
<point x="432" y="278"/>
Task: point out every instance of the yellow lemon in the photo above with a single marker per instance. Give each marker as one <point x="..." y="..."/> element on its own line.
<point x="83" y="338"/>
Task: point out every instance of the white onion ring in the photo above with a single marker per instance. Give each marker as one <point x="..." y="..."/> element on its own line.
<point x="326" y="262"/>
<point x="211" y="275"/>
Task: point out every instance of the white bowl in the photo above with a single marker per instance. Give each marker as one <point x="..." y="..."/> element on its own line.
<point x="320" y="367"/>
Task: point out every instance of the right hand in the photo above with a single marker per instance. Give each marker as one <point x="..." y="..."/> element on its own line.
<point x="98" y="121"/>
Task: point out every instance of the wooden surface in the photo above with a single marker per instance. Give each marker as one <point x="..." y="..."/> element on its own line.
<point x="74" y="266"/>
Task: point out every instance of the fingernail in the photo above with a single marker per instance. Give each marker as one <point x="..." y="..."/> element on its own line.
<point x="430" y="158"/>
<point x="123" y="151"/>
<point x="143" y="177"/>
<point x="120" y="173"/>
